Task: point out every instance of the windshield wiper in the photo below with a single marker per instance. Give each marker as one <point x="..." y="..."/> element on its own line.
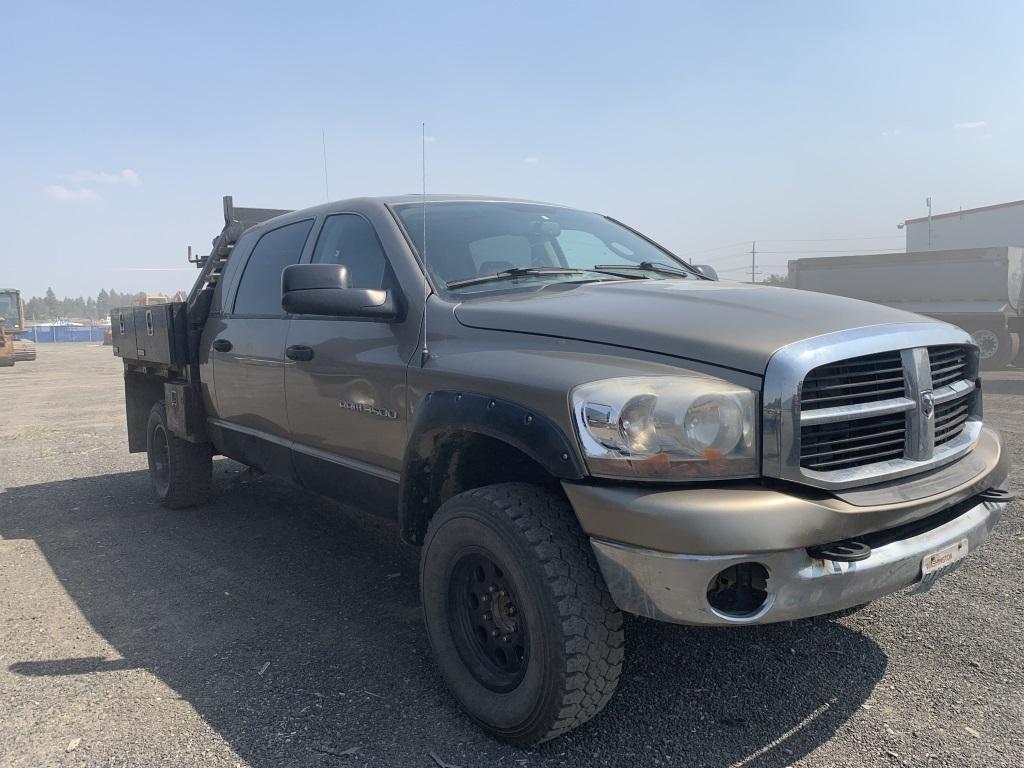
<point x="508" y="274"/>
<point x="647" y="266"/>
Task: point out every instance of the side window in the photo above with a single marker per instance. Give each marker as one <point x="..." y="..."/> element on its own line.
<point x="260" y="290"/>
<point x="350" y="240"/>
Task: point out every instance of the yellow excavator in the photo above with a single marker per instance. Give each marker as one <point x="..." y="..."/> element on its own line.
<point x="12" y="321"/>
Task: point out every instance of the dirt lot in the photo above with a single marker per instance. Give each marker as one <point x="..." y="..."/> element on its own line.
<point x="272" y="628"/>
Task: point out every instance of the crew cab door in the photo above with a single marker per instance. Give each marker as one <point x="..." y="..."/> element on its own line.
<point x="248" y="352"/>
<point x="345" y="381"/>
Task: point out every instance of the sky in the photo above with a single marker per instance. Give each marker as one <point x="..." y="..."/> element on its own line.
<point x="704" y="125"/>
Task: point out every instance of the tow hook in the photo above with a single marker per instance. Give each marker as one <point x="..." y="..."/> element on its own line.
<point x="846" y="551"/>
<point x="997" y="495"/>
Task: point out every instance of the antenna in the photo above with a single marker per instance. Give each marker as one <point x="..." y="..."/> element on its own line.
<point x="425" y="353"/>
<point x="327" y="188"/>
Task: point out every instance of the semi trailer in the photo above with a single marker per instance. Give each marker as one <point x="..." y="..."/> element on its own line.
<point x="978" y="289"/>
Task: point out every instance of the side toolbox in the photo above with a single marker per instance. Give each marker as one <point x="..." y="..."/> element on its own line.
<point x="122" y="331"/>
<point x="161" y="334"/>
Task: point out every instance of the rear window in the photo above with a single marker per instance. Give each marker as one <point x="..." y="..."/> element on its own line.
<point x="260" y="290"/>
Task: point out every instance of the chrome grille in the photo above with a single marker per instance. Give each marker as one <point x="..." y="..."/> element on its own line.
<point x="849" y="382"/>
<point x="828" y="447"/>
<point x="950" y="419"/>
<point x="886" y="406"/>
<point x="845" y="443"/>
<point x="948" y="364"/>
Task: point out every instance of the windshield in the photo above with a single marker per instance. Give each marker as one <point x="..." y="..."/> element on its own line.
<point x="9" y="310"/>
<point x="466" y="240"/>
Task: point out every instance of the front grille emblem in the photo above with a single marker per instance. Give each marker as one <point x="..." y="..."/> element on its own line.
<point x="927" y="404"/>
<point x="920" y="421"/>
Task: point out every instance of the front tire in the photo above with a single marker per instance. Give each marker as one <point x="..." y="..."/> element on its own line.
<point x="517" y="612"/>
<point x="181" y="472"/>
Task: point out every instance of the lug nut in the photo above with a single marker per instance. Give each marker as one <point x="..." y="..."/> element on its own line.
<point x="487" y="616"/>
<point x="485" y="598"/>
<point x="494" y="633"/>
<point x="492" y="588"/>
<point x="506" y="638"/>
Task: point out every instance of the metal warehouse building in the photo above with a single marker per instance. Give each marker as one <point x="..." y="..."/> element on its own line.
<point x="992" y="225"/>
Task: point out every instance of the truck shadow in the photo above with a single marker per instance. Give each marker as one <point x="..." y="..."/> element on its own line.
<point x="293" y="628"/>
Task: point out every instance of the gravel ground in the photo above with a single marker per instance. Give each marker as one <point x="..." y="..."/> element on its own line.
<point x="272" y="628"/>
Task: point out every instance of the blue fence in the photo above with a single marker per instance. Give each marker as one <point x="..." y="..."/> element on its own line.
<point x="46" y="334"/>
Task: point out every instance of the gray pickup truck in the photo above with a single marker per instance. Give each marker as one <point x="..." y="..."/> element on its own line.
<point x="570" y="423"/>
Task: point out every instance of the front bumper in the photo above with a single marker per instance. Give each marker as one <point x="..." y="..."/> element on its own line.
<point x="652" y="576"/>
<point x="674" y="587"/>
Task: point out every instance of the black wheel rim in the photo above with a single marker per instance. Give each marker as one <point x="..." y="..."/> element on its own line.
<point x="486" y="622"/>
<point x="160" y="457"/>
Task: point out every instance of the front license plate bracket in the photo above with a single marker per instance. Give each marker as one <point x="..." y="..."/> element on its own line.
<point x="939" y="563"/>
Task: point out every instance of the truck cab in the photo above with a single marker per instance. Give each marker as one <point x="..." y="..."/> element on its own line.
<point x="570" y="422"/>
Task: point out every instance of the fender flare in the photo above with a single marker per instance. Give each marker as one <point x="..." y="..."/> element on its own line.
<point x="444" y="413"/>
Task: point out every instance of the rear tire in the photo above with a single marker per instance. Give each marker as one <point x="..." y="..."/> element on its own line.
<point x="1018" y="361"/>
<point x="181" y="472"/>
<point x="517" y="612"/>
<point x="998" y="347"/>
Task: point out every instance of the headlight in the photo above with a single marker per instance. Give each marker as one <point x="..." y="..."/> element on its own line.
<point x="667" y="427"/>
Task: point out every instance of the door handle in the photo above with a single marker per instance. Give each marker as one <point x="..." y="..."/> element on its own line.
<point x="222" y="345"/>
<point x="299" y="352"/>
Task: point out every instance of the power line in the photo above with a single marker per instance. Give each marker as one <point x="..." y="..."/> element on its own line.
<point x="790" y="240"/>
<point x="833" y="239"/>
<point x="720" y="259"/>
<point x="746" y="268"/>
<point x="709" y="250"/>
<point x="844" y="250"/>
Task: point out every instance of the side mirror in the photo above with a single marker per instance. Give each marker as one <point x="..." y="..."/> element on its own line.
<point x="708" y="271"/>
<point x="326" y="289"/>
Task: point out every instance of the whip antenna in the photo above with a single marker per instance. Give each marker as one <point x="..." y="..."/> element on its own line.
<point x="425" y="353"/>
<point x="327" y="186"/>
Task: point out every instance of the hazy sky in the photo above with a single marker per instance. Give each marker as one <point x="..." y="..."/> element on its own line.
<point x="705" y="125"/>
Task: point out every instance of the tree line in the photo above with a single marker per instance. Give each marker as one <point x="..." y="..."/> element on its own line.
<point x="40" y="309"/>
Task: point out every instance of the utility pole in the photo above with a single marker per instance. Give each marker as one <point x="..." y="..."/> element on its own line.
<point x="928" y="202"/>
<point x="753" y="260"/>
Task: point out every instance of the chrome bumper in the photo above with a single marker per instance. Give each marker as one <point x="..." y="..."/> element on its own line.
<point x="673" y="587"/>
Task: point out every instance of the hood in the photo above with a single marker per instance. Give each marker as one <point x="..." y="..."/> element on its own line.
<point x="733" y="325"/>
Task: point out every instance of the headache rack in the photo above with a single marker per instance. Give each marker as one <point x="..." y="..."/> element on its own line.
<point x="159" y="343"/>
<point x="236" y="221"/>
<point x="166" y="336"/>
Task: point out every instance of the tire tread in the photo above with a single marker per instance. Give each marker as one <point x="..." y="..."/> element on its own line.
<point x="591" y="624"/>
<point x="191" y="468"/>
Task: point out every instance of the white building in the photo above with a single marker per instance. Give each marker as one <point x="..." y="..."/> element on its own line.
<point x="992" y="225"/>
